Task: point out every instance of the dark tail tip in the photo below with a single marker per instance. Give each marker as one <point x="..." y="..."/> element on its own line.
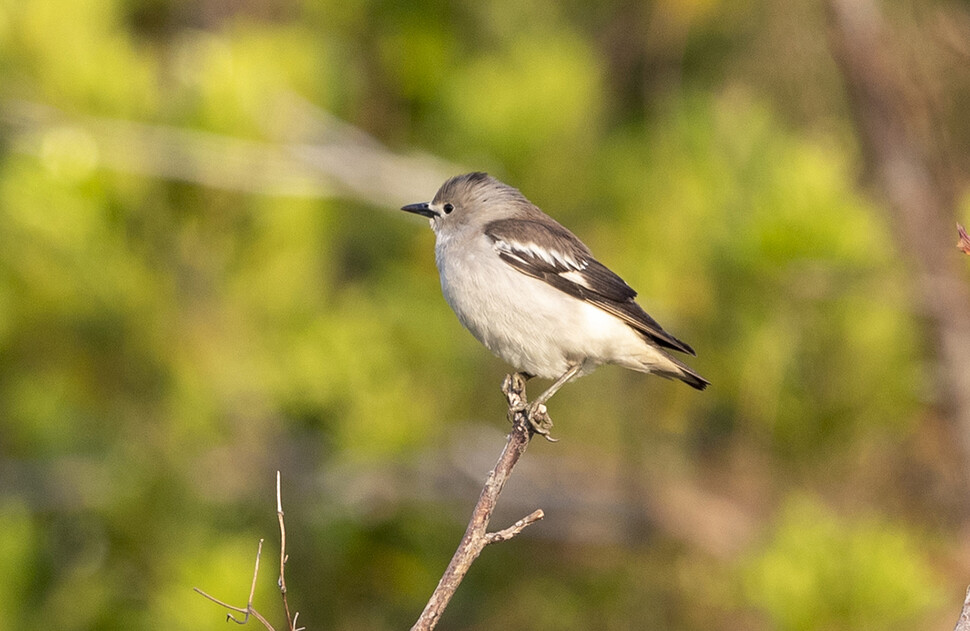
<point x="694" y="380"/>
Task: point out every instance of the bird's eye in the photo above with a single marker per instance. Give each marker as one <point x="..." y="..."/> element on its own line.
<point x="448" y="208"/>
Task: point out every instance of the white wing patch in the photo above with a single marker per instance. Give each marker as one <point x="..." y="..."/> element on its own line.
<point x="576" y="277"/>
<point x="525" y="251"/>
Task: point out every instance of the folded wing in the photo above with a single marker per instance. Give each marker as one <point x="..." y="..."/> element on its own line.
<point x="551" y="253"/>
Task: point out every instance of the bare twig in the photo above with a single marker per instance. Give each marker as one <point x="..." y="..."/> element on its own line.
<point x="248" y="610"/>
<point x="290" y="619"/>
<point x="507" y="533"/>
<point x="477" y="535"/>
<point x="963" y="624"/>
<point x="964" y="243"/>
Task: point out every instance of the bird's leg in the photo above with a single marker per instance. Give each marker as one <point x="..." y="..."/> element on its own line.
<point x="559" y="383"/>
<point x="515" y="383"/>
<point x="538" y="416"/>
<point x="554" y="388"/>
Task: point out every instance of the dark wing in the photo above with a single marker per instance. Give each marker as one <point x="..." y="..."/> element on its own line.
<point x="551" y="253"/>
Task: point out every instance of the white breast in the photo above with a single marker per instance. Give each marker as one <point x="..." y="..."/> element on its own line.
<point x="531" y="325"/>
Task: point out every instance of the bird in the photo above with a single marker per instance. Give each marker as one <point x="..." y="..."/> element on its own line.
<point x="533" y="293"/>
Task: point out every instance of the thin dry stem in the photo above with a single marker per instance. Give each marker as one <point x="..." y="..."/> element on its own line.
<point x="248" y="610"/>
<point x="290" y="619"/>
<point x="964" y="242"/>
<point x="476" y="535"/>
<point x="507" y="533"/>
<point x="963" y="624"/>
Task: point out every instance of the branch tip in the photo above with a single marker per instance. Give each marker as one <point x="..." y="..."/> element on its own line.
<point x="964" y="243"/>
<point x="476" y="534"/>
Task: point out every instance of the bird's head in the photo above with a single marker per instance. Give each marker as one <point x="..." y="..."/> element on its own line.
<point x="473" y="199"/>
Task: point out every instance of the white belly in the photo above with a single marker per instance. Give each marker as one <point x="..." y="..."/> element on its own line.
<point x="531" y="325"/>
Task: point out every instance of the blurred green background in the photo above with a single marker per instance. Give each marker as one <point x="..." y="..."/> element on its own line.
<point x="204" y="279"/>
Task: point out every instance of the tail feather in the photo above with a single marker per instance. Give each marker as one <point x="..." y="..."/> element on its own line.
<point x="681" y="371"/>
<point x="692" y="379"/>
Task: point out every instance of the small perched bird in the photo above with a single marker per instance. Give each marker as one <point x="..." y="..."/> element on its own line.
<point x="532" y="293"/>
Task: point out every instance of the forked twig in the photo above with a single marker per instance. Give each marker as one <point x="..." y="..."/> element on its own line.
<point x="249" y="610"/>
<point x="472" y="543"/>
<point x="476" y="535"/>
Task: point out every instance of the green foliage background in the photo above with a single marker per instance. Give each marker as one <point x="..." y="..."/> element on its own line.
<point x="165" y="347"/>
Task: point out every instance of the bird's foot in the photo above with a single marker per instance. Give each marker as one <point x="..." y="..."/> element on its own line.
<point x="513" y="387"/>
<point x="535" y="413"/>
<point x="538" y="417"/>
<point x="540" y="420"/>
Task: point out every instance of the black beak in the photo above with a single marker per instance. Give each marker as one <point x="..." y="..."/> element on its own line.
<point x="420" y="209"/>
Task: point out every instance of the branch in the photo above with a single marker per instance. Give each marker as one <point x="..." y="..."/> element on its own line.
<point x="477" y="535"/>
<point x="290" y="619"/>
<point x="249" y="610"/>
<point x="963" y="624"/>
<point x="964" y="243"/>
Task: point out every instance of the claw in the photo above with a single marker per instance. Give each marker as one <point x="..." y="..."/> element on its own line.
<point x="540" y="421"/>
<point x="535" y="412"/>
